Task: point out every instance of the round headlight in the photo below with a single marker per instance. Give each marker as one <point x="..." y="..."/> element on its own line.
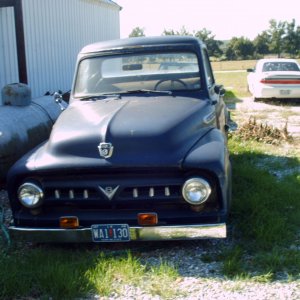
<point x="30" y="195"/>
<point x="196" y="191"/>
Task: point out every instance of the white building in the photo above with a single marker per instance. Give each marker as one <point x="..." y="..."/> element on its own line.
<point x="40" y="39"/>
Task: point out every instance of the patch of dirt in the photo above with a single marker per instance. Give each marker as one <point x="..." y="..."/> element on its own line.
<point x="282" y="115"/>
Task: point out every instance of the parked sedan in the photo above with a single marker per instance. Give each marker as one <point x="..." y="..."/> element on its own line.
<point x="275" y="78"/>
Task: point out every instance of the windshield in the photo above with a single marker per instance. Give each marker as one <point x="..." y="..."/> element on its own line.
<point x="122" y="73"/>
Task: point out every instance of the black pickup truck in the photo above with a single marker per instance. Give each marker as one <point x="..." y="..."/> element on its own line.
<point x="140" y="153"/>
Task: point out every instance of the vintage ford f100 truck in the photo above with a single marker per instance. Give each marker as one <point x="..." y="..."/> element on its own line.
<point x="140" y="153"/>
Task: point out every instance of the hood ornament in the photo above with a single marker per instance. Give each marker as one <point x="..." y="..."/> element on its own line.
<point x="105" y="150"/>
<point x="109" y="191"/>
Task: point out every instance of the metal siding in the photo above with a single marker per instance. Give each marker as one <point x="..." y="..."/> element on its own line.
<point x="56" y="30"/>
<point x="8" y="51"/>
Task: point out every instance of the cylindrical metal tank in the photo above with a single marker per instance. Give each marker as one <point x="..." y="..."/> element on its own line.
<point x="24" y="127"/>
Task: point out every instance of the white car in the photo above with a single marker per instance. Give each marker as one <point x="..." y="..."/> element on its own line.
<point x="275" y="78"/>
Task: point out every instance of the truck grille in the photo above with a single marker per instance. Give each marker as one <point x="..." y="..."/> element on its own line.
<point x="119" y="191"/>
<point x="118" y="198"/>
<point x="114" y="193"/>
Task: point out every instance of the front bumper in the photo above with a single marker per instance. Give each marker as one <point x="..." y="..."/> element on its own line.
<point x="155" y="233"/>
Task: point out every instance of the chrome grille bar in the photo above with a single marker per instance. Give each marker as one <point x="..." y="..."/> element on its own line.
<point x="135" y="193"/>
<point x="167" y="191"/>
<point x="57" y="194"/>
<point x="85" y="194"/>
<point x="71" y="194"/>
<point x="151" y="192"/>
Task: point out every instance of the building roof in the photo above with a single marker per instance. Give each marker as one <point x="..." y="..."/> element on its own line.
<point x="112" y="3"/>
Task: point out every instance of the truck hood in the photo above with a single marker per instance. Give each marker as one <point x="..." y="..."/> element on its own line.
<point x="143" y="131"/>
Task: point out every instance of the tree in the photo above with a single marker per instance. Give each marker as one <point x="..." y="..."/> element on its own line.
<point x="182" y="31"/>
<point x="137" y="32"/>
<point x="213" y="46"/>
<point x="244" y="48"/>
<point x="276" y="32"/>
<point x="239" y="48"/>
<point x="169" y="32"/>
<point x="261" y="43"/>
<point x="229" y="53"/>
<point x="292" y="39"/>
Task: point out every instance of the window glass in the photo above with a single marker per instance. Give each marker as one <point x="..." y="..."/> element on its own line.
<point x="208" y="70"/>
<point x="153" y="71"/>
<point x="280" y="66"/>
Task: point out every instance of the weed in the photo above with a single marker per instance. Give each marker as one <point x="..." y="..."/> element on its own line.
<point x="253" y="130"/>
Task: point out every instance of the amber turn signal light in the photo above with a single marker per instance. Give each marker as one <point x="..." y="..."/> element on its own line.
<point x="147" y="219"/>
<point x="68" y="222"/>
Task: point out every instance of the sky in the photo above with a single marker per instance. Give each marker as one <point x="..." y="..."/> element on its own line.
<point x="224" y="18"/>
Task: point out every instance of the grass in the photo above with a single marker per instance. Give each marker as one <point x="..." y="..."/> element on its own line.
<point x="65" y="273"/>
<point x="265" y="217"/>
<point x="233" y="65"/>
<point x="235" y="84"/>
<point x="264" y="236"/>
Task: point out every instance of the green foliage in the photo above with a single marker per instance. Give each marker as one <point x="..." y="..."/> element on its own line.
<point x="232" y="261"/>
<point x="213" y="46"/>
<point x="67" y="273"/>
<point x="292" y="39"/>
<point x="265" y="216"/>
<point x="261" y="43"/>
<point x="276" y="32"/>
<point x="39" y="273"/>
<point x="183" y="31"/>
<point x="263" y="226"/>
<point x="137" y="32"/>
<point x="239" y="48"/>
<point x="280" y="37"/>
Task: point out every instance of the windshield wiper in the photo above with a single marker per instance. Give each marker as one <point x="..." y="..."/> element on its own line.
<point x="146" y="91"/>
<point x="117" y="95"/>
<point x="101" y="96"/>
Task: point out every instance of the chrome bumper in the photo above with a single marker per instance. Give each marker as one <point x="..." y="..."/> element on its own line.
<point x="155" y="233"/>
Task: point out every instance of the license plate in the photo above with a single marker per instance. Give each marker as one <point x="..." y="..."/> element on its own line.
<point x="110" y="233"/>
<point x="285" y="92"/>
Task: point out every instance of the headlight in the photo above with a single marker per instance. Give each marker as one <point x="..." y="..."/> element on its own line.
<point x="196" y="191"/>
<point x="30" y="195"/>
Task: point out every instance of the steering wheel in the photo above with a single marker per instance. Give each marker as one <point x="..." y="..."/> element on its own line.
<point x="172" y="83"/>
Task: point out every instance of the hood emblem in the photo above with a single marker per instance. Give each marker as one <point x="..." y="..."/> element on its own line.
<point x="109" y="191"/>
<point x="105" y="150"/>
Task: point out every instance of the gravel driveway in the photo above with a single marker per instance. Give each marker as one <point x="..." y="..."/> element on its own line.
<point x="201" y="280"/>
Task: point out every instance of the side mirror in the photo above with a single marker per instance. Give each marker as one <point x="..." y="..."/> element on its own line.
<point x="58" y="99"/>
<point x="250" y="70"/>
<point x="219" y="89"/>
